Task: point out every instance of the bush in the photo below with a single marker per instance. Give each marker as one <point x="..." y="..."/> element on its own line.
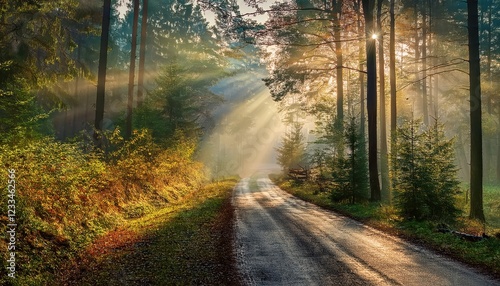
<point x="291" y="153"/>
<point x="424" y="173"/>
<point x="66" y="197"/>
<point x="349" y="171"/>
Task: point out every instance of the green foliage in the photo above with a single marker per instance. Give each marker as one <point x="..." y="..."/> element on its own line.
<point x="137" y="210"/>
<point x="67" y="197"/>
<point x="424" y="173"/>
<point x="19" y="113"/>
<point x="321" y="175"/>
<point x="36" y="37"/>
<point x="350" y="172"/>
<point x="291" y="153"/>
<point x="181" y="101"/>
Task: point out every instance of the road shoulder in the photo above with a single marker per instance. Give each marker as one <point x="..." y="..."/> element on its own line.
<point x="189" y="243"/>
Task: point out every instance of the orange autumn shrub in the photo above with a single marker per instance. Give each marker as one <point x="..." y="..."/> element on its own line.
<point x="66" y="196"/>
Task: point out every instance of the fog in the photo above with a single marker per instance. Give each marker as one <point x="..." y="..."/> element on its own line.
<point x="248" y="128"/>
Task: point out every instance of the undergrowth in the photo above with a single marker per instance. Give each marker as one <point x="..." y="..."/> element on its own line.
<point x="67" y="194"/>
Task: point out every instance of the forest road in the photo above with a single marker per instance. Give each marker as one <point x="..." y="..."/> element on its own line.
<point x="282" y="240"/>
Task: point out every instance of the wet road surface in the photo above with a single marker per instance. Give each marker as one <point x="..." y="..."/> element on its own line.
<point x="282" y="240"/>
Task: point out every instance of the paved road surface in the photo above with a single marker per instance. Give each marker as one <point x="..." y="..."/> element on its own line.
<point x="282" y="240"/>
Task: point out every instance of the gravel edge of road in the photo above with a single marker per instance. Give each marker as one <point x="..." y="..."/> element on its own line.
<point x="224" y="228"/>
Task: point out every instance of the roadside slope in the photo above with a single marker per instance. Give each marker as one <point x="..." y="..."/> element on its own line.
<point x="186" y="243"/>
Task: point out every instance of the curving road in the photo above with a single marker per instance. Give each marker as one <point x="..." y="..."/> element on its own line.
<point x="282" y="240"/>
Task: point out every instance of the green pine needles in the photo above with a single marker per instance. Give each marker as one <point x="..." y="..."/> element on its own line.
<point x="424" y="173"/>
<point x="292" y="152"/>
<point x="350" y="169"/>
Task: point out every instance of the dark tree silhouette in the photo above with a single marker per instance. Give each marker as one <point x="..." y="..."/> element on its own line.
<point x="131" y="75"/>
<point x="371" y="99"/>
<point x="476" y="148"/>
<point x="101" y="75"/>
<point x="142" y="53"/>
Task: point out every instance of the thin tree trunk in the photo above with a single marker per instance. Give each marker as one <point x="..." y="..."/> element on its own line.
<point x="349" y="96"/>
<point x="337" y="9"/>
<point x="361" y="78"/>
<point x="417" y="52"/>
<point x="77" y="86"/>
<point x="488" y="158"/>
<point x="476" y="152"/>
<point x="371" y="99"/>
<point x="101" y="75"/>
<point x="436" y="51"/>
<point x="131" y="75"/>
<point x="488" y="56"/>
<point x="433" y="61"/>
<point x="384" y="160"/>
<point x="392" y="71"/>
<point x="142" y="53"/>
<point x="425" y="103"/>
<point x="362" y="128"/>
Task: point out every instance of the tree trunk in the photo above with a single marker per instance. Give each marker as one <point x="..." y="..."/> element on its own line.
<point x="131" y="74"/>
<point x="142" y="53"/>
<point x="476" y="152"/>
<point x="392" y="71"/>
<point x="488" y="56"/>
<point x="417" y="52"/>
<point x="488" y="153"/>
<point x="337" y="9"/>
<point x="435" y="62"/>
<point x="101" y="75"/>
<point x="74" y="128"/>
<point x="384" y="160"/>
<point x="371" y="99"/>
<point x="425" y="100"/>
<point x="432" y="47"/>
<point x="362" y="128"/>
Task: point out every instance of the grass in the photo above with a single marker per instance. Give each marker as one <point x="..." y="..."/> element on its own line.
<point x="186" y="243"/>
<point x="484" y="254"/>
<point x="491" y="197"/>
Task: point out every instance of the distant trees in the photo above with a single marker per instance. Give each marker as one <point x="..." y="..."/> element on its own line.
<point x="36" y="44"/>
<point x="131" y="74"/>
<point x="292" y="152"/>
<point x="321" y="59"/>
<point x="18" y="108"/>
<point x="182" y="101"/>
<point x="49" y="59"/>
<point x="142" y="53"/>
<point x="424" y="68"/>
<point x="392" y="67"/>
<point x="101" y="76"/>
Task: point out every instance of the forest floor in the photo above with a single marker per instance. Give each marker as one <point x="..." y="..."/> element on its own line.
<point x="190" y="242"/>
